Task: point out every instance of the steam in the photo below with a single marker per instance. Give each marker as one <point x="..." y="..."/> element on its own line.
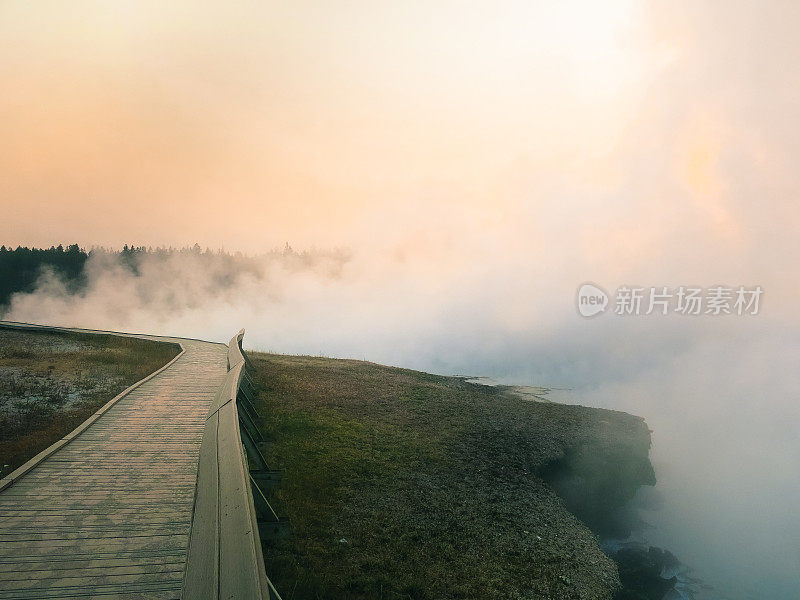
<point x="720" y="394"/>
<point x="481" y="163"/>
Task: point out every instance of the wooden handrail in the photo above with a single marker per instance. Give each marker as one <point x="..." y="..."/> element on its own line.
<point x="225" y="558"/>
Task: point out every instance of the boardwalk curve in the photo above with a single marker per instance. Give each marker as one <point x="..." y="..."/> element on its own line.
<point x="107" y="513"/>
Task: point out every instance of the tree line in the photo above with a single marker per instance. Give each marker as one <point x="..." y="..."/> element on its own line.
<point x="21" y="267"/>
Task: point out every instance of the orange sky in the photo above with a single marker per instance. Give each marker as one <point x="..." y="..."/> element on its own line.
<point x="615" y="136"/>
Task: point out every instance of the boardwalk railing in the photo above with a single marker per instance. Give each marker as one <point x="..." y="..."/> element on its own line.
<point x="231" y="514"/>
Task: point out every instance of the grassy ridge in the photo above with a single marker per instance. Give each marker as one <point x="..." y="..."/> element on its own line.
<point x="50" y="382"/>
<point x="402" y="484"/>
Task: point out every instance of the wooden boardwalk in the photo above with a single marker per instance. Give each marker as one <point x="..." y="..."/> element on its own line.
<point x="108" y="514"/>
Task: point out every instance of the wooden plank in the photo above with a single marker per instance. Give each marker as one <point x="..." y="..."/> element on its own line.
<point x="108" y="514"/>
<point x="202" y="567"/>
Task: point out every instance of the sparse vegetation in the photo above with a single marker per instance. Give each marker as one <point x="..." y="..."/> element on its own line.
<point x="51" y="382"/>
<point x="406" y="485"/>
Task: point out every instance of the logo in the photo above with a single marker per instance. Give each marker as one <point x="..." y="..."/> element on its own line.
<point x="591" y="300"/>
<point x="718" y="300"/>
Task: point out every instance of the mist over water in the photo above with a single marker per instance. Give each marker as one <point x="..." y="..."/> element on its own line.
<point x="482" y="160"/>
<point x="725" y="449"/>
<point x="720" y="393"/>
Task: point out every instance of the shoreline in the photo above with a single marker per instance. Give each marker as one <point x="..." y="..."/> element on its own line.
<point x="646" y="571"/>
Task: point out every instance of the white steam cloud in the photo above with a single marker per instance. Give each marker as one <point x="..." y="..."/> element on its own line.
<point x="720" y="393"/>
<point x="479" y="191"/>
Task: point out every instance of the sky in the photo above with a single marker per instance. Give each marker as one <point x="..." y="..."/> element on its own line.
<point x="630" y="139"/>
<point x="479" y="161"/>
<point x="649" y="129"/>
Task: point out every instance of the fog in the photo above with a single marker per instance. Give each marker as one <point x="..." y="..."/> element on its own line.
<point x="475" y="163"/>
<point x="720" y="393"/>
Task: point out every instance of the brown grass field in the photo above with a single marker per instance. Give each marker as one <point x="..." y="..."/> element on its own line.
<point x="51" y="382"/>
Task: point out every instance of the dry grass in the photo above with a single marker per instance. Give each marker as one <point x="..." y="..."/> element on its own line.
<point x="51" y="382"/>
<point x="402" y="484"/>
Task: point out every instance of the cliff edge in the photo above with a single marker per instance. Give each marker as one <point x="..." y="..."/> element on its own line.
<point x="402" y="484"/>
